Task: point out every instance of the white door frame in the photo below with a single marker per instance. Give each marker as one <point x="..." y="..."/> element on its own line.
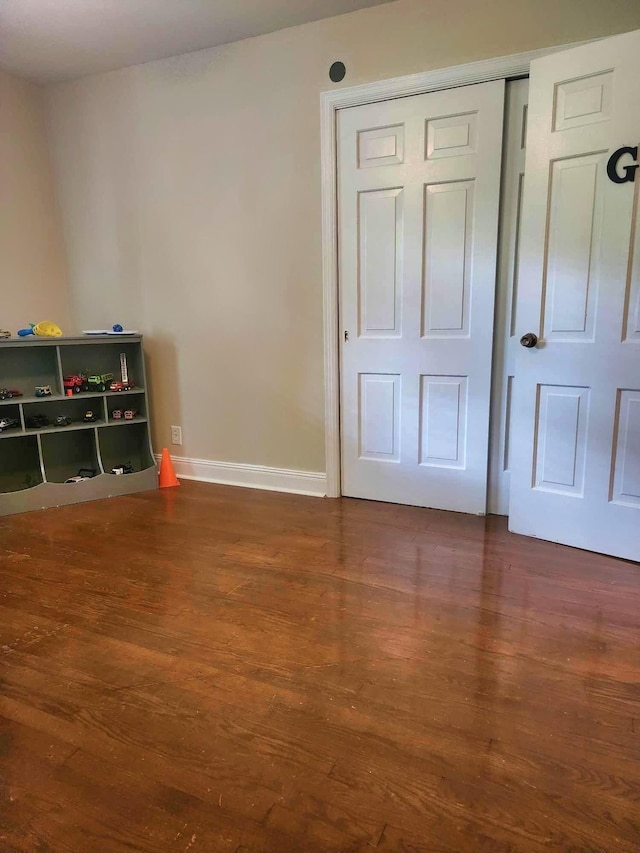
<point x="354" y="96"/>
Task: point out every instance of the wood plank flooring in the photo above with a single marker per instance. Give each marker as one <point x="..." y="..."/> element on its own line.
<point x="211" y="669"/>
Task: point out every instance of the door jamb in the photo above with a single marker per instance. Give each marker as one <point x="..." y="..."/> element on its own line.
<point x="353" y="96"/>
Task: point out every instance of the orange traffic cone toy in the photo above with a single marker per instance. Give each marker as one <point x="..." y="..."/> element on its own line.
<point x="167" y="474"/>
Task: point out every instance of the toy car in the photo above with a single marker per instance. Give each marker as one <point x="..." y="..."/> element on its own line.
<point x="89" y="417"/>
<point x="76" y="382"/>
<point x="122" y="386"/>
<point x="126" y="468"/>
<point x="99" y="381"/>
<point x="62" y="420"/>
<point x="8" y="423"/>
<point x="116" y="414"/>
<point x="83" y="474"/>
<point x="130" y="414"/>
<point x="37" y="422"/>
<point x="9" y="393"/>
<point x="43" y="391"/>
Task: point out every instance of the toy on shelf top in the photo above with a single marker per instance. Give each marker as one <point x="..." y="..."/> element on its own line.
<point x="116" y="329"/>
<point x="44" y="329"/>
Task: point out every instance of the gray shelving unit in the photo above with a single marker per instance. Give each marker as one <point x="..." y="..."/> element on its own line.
<point x="35" y="462"/>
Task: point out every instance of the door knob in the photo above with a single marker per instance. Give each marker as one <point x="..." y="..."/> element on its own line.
<point x="529" y="340"/>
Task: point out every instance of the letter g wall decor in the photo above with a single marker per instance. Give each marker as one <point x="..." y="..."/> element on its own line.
<point x="629" y="171"/>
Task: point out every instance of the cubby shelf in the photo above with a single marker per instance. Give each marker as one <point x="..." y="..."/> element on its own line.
<point x="59" y="398"/>
<point x="68" y="428"/>
<point x="35" y="462"/>
<point x="122" y="423"/>
<point x="53" y="398"/>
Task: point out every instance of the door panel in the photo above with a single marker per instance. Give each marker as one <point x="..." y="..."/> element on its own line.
<point x="379" y="406"/>
<point x="570" y="272"/>
<point x="575" y="446"/>
<point x="380" y="268"/>
<point x="560" y="432"/>
<point x="583" y="101"/>
<point x="443" y="421"/>
<point x="625" y="487"/>
<point x="418" y="204"/>
<point x="447" y="273"/>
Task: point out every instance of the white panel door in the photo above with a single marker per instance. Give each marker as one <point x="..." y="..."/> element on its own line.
<point x="576" y="415"/>
<point x="419" y="182"/>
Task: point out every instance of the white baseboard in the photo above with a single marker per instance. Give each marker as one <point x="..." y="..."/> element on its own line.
<point x="250" y="476"/>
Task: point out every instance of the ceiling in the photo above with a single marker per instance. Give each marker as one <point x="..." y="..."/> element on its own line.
<point x="52" y="40"/>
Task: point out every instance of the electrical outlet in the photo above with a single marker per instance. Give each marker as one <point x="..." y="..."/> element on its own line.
<point x="176" y="435"/>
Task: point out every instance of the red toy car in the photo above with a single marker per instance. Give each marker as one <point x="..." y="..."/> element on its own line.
<point x="9" y="393"/>
<point x="76" y="382"/>
<point x="122" y="386"/>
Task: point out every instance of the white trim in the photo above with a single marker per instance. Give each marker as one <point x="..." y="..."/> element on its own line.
<point x="330" y="102"/>
<point x="250" y="476"/>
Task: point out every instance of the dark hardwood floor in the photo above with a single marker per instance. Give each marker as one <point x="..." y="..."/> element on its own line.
<point x="215" y="669"/>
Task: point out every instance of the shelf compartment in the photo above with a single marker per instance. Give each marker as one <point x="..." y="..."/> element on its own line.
<point x="72" y="427"/>
<point x="47" y="495"/>
<point x="69" y="407"/>
<point x="52" y="398"/>
<point x="85" y="395"/>
<point x="23" y="368"/>
<point x="19" y="464"/>
<point x="127" y="445"/>
<point x="97" y="358"/>
<point x="66" y="451"/>
<point x="130" y="401"/>
<point x="13" y="412"/>
<point x="137" y="420"/>
<point x="136" y="390"/>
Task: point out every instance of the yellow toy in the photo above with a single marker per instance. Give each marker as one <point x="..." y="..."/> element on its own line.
<point x="45" y="329"/>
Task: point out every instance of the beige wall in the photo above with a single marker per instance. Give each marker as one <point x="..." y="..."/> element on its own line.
<point x="32" y="267"/>
<point x="191" y="195"/>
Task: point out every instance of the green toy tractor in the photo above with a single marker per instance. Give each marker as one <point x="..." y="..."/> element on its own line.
<point x="99" y="381"/>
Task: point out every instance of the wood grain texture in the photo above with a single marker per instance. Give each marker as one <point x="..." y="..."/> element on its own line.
<point x="218" y="669"/>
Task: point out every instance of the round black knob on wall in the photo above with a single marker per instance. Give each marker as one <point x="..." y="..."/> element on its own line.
<point x="529" y="340"/>
<point x="337" y="72"/>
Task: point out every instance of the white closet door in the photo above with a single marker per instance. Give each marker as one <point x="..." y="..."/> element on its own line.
<point x="576" y="416"/>
<point x="419" y="182"/>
